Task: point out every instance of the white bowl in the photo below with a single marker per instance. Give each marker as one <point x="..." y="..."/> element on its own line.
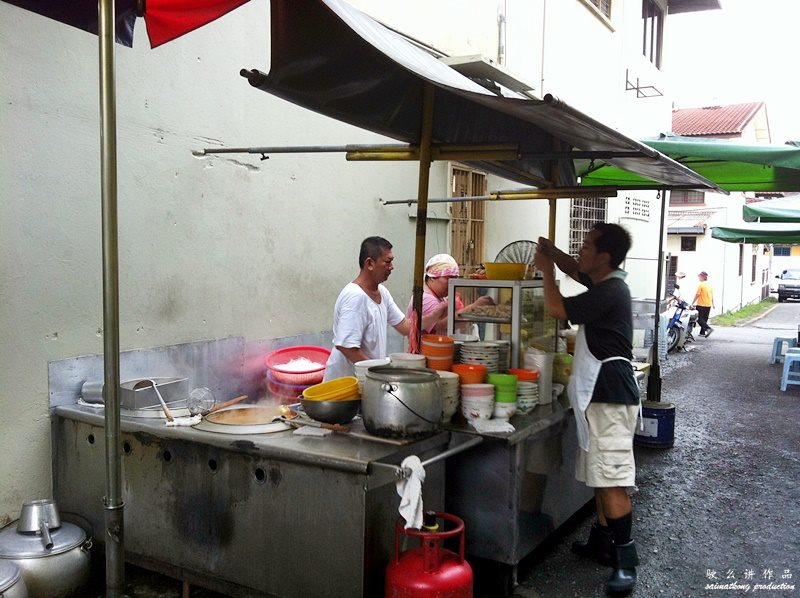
<point x="477" y="412"/>
<point x="504" y="410"/>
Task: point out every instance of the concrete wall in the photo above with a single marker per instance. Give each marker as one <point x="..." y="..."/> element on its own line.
<point x="230" y="245"/>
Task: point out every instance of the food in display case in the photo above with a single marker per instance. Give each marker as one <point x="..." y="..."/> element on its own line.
<point x="518" y="315"/>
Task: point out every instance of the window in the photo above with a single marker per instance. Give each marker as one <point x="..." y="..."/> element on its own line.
<point x="682" y="197"/>
<point x="741" y="259"/>
<point x="781" y="251"/>
<point x="584" y="214"/>
<point x="467" y="239"/>
<point x="753" y="270"/>
<point x="604" y="6"/>
<point x="653" y="22"/>
<point x="688" y="243"/>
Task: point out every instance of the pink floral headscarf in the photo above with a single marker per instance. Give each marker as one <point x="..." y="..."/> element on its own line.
<point x="440" y="265"/>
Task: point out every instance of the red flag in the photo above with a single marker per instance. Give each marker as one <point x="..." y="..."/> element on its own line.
<point x="169" y="19"/>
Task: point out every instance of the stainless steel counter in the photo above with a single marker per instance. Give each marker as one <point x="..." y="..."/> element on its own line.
<point x="526" y="481"/>
<point x="248" y="515"/>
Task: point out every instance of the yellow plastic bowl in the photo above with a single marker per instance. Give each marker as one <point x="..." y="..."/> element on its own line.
<point x="504" y="271"/>
<point x="333" y="390"/>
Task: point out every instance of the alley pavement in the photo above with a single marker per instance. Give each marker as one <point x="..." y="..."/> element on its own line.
<point x="719" y="513"/>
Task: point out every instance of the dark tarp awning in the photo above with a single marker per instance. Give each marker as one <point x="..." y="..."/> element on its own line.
<point x="756" y="232"/>
<point x="333" y="59"/>
<point x="785" y="209"/>
<point x="732" y="166"/>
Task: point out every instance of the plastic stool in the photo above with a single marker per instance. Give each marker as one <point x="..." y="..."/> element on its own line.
<point x="790" y="374"/>
<point x="777" y="347"/>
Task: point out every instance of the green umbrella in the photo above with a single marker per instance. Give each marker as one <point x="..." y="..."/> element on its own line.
<point x="786" y="209"/>
<point x="732" y="166"/>
<point x="757" y="232"/>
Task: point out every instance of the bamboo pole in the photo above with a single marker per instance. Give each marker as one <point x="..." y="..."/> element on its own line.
<point x="426" y="135"/>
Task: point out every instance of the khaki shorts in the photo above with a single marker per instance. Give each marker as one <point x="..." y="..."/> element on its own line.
<point x="609" y="461"/>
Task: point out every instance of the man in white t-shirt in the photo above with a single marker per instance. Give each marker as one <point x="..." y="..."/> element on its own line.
<point x="364" y="310"/>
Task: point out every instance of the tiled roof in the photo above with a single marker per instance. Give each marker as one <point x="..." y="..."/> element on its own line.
<point x="714" y="120"/>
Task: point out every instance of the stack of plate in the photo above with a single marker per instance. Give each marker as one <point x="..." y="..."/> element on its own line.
<point x="527" y="396"/>
<point x="450" y="383"/>
<point x="481" y="353"/>
<point x="477" y="401"/>
<point x="504" y="351"/>
<point x="461" y="339"/>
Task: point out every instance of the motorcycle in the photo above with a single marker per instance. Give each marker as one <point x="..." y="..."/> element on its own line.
<point x="680" y="326"/>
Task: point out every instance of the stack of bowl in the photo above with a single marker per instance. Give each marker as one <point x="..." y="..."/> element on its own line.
<point x="450" y="384"/>
<point x="293" y="369"/>
<point x="407" y="360"/>
<point x="438" y="351"/>
<point x="470" y="373"/>
<point x="482" y="353"/>
<point x="361" y="368"/>
<point x="333" y="402"/>
<point x="527" y="395"/>
<point x="283" y="393"/>
<point x="505" y="394"/>
<point x="477" y="401"/>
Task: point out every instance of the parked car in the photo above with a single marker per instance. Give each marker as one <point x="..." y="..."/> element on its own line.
<point x="789" y="285"/>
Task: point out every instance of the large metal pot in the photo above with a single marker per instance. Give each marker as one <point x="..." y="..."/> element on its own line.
<point x="11" y="583"/>
<point x="400" y="402"/>
<point x="55" y="564"/>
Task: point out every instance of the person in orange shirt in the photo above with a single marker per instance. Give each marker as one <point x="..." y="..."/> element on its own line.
<point x="704" y="301"/>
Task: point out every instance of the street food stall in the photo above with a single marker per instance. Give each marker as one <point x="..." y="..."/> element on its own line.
<point x="254" y="513"/>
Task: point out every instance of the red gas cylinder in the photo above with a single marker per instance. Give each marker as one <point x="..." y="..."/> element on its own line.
<point x="429" y="571"/>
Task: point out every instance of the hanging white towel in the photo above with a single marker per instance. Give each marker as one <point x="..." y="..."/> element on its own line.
<point x="410" y="491"/>
<point x="192" y="420"/>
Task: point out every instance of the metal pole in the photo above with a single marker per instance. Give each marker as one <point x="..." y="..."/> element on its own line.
<point x="426" y="135"/>
<point x="654" y="378"/>
<point x="114" y="514"/>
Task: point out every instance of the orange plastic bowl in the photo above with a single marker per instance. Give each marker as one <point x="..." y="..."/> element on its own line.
<point x="523" y="374"/>
<point x="470" y="373"/>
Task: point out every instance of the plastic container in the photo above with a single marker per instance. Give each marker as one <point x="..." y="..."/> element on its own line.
<point x="440" y="363"/>
<point x="338" y="389"/>
<point x="407" y="360"/>
<point x="470" y="373"/>
<point x="504" y="271"/>
<point x="278" y="360"/>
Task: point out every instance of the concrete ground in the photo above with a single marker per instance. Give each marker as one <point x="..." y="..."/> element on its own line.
<point x="716" y="515"/>
<point x="719" y="513"/>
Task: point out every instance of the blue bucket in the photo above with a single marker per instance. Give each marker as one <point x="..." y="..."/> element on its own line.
<point x="656" y="428"/>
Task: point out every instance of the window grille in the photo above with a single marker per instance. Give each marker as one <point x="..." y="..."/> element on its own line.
<point x="467" y="236"/>
<point x="781" y="250"/>
<point x="584" y="214"/>
<point x="682" y="197"/>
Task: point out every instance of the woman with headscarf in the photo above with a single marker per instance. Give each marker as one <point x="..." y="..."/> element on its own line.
<point x="439" y="269"/>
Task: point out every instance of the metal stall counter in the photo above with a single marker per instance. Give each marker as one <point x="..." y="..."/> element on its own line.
<point x="516" y="488"/>
<point x="275" y="514"/>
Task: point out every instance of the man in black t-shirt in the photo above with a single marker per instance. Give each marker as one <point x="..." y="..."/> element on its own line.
<point x="603" y="392"/>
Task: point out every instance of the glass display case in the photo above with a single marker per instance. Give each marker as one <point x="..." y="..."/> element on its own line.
<point x="517" y="314"/>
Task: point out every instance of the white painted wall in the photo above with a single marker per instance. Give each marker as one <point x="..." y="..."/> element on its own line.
<point x="232" y="246"/>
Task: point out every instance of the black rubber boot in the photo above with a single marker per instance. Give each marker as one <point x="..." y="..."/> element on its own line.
<point x="597" y="547"/>
<point x="623" y="578"/>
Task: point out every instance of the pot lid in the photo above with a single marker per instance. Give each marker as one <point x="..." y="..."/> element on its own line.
<point x="390" y="374"/>
<point x="17" y="545"/>
<point x="9" y="575"/>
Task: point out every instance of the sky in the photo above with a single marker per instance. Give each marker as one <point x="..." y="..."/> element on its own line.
<point x="745" y="52"/>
